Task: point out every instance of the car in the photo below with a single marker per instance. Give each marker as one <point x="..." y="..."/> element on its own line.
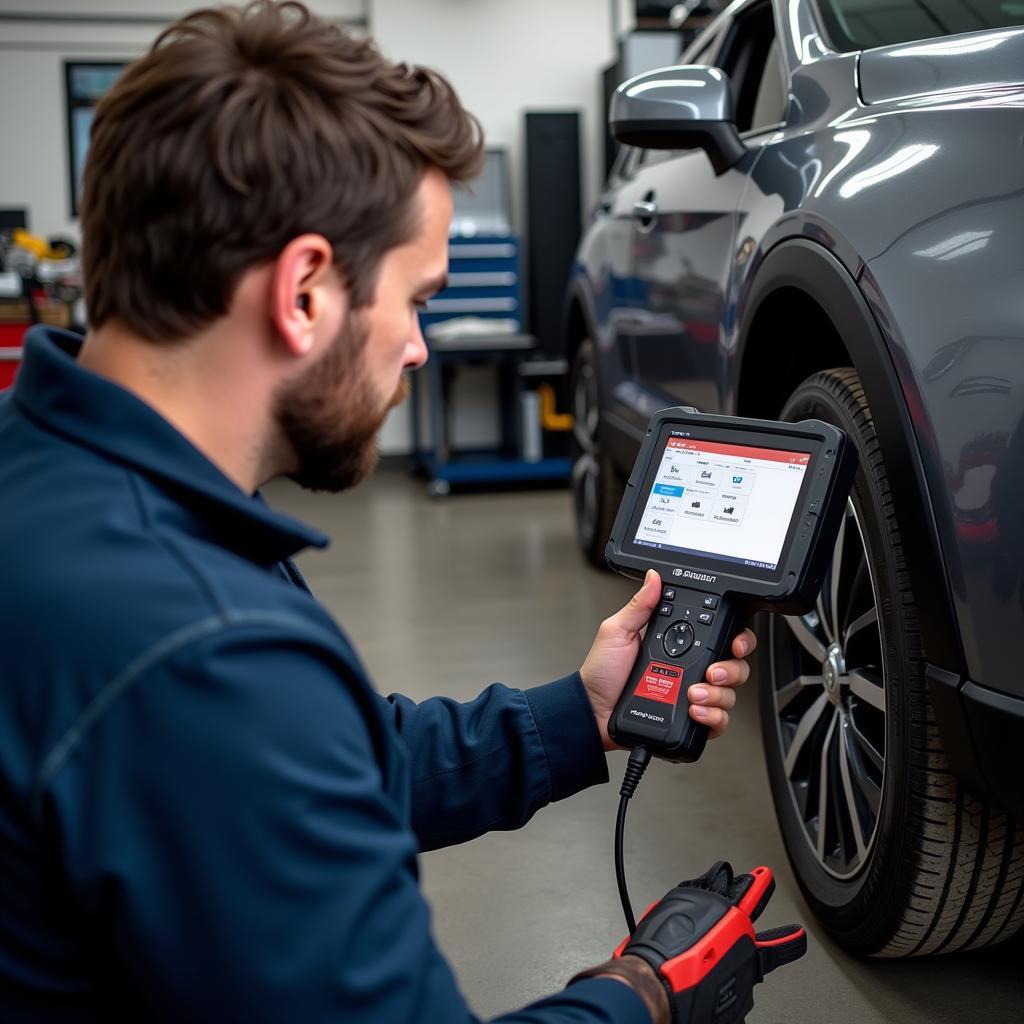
<point x="819" y="213"/>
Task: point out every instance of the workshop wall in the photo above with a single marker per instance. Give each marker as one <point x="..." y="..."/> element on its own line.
<point x="504" y="58"/>
<point x="36" y="36"/>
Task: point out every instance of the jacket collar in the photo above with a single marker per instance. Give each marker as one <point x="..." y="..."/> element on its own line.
<point x="94" y="412"/>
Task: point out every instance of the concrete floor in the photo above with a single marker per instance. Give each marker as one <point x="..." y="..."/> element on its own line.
<point x="444" y="597"/>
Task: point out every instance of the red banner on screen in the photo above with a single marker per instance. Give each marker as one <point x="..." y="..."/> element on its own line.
<point x="739" y="451"/>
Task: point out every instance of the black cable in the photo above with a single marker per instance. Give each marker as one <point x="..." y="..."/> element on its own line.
<point x="639" y="758"/>
<point x="620" y="872"/>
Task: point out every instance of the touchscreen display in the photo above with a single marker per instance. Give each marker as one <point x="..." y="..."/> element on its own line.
<point x="732" y="502"/>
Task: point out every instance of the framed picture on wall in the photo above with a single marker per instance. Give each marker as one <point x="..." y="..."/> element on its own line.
<point x="85" y="83"/>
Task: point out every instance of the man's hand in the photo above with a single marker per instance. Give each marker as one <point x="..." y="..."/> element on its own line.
<point x="607" y="666"/>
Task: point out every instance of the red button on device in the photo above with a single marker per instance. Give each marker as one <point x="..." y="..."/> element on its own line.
<point x="660" y="682"/>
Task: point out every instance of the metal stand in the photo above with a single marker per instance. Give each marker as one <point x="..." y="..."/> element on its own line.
<point x="442" y="464"/>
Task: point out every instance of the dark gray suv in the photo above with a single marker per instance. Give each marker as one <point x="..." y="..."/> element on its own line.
<point x="821" y="213"/>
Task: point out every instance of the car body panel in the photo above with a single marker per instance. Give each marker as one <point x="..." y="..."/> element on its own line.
<point x="917" y="194"/>
<point x="682" y="267"/>
<point x="947" y="287"/>
<point x="950" y="289"/>
<point x="606" y="289"/>
<point x="980" y="61"/>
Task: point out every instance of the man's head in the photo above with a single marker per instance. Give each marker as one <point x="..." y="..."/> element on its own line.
<point x="264" y="139"/>
<point x="331" y="413"/>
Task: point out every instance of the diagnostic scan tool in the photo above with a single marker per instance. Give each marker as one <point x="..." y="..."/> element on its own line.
<point x="737" y="516"/>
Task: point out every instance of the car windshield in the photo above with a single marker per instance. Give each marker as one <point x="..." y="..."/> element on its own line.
<point x="862" y="24"/>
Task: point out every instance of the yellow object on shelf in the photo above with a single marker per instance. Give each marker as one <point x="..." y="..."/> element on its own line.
<point x="38" y="246"/>
<point x="550" y="418"/>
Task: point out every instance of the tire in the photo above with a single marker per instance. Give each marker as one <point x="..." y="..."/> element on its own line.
<point x="934" y="870"/>
<point x="596" y="486"/>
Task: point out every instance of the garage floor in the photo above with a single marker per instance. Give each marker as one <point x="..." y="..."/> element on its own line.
<point x="444" y="597"/>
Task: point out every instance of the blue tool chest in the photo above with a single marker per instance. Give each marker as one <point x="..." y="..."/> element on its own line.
<point x="484" y="283"/>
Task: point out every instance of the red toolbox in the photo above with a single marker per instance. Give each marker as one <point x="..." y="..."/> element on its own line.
<point x="11" y="336"/>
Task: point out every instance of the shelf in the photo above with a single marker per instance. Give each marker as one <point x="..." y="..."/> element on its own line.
<point x="489" y="343"/>
<point x="488" y="468"/>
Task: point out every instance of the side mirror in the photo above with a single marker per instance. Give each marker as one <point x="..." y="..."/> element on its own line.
<point x="679" y="108"/>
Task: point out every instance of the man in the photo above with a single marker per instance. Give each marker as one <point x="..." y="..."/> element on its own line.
<point x="206" y="812"/>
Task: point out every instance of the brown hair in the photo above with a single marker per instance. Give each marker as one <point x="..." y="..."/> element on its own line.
<point x="239" y="130"/>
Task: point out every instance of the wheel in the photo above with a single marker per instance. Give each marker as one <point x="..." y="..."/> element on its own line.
<point x="439" y="488"/>
<point x="892" y="855"/>
<point x="596" y="486"/>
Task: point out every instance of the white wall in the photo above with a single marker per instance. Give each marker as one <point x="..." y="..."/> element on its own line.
<point x="507" y="57"/>
<point x="504" y="58"/>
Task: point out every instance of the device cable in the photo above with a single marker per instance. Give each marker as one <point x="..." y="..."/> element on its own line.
<point x="639" y="758"/>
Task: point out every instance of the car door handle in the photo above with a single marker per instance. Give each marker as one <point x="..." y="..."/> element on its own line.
<point x="645" y="209"/>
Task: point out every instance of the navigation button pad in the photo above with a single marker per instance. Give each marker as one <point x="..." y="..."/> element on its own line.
<point x="685" y="623"/>
<point x="678" y="639"/>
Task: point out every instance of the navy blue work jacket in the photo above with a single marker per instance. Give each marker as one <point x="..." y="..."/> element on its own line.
<point x="206" y="811"/>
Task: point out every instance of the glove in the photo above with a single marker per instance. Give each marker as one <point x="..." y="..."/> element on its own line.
<point x="701" y="942"/>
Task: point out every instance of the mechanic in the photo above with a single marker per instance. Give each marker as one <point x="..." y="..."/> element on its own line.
<point x="206" y="811"/>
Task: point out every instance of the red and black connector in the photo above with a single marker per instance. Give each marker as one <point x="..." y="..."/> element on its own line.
<point x="701" y="942"/>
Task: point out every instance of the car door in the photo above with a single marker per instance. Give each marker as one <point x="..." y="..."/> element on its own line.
<point x="685" y="228"/>
<point x="615" y="297"/>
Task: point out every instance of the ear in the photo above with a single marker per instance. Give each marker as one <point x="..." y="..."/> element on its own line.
<point x="304" y="292"/>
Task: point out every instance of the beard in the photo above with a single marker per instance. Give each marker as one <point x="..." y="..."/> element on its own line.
<point x="331" y="416"/>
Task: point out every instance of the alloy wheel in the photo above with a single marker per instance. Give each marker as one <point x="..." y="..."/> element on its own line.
<point x="828" y="688"/>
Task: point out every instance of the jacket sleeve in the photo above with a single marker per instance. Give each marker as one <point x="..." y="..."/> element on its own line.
<point x="490" y="763"/>
<point x="223" y="826"/>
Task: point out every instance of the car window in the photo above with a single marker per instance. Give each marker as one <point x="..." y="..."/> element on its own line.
<point x="744" y="57"/>
<point x="620" y="165"/>
<point x="862" y="24"/>
<point x="630" y="162"/>
<point x="772" y="94"/>
<point x="705" y="47"/>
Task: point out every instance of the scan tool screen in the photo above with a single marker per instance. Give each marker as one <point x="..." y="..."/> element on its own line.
<point x="724" y="501"/>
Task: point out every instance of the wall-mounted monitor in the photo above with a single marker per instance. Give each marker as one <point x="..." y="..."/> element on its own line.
<point x="484" y="206"/>
<point x="85" y="84"/>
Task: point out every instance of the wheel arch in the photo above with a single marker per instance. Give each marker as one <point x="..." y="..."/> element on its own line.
<point x="581" y="320"/>
<point x="801" y="279"/>
<point x="817" y="346"/>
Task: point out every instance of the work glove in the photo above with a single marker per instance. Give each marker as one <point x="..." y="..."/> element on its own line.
<point x="701" y="943"/>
